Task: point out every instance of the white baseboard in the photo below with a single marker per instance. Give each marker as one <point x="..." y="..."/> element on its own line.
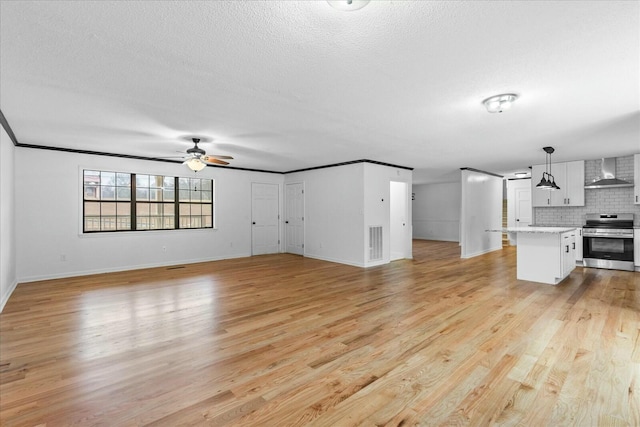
<point x="65" y="275"/>
<point x="339" y="261"/>
<point x="475" y="254"/>
<point x="5" y="297"/>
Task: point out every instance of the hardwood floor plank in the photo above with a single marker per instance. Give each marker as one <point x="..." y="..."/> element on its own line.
<point x="286" y="340"/>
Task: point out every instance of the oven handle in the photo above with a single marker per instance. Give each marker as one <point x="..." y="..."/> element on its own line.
<point x="609" y="236"/>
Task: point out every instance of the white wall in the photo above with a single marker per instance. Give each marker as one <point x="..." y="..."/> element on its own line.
<point x="48" y="223"/>
<point x="48" y="200"/>
<point x="334" y="215"/>
<point x="8" y="277"/>
<point x="436" y="211"/>
<point x="481" y="210"/>
<point x="377" y="196"/>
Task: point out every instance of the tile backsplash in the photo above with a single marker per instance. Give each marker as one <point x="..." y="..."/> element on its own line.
<point x="599" y="200"/>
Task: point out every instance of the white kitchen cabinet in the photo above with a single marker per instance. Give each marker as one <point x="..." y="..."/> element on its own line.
<point x="568" y="248"/>
<point x="636" y="181"/>
<point x="578" y="246"/>
<point x="568" y="176"/>
<point x="539" y="198"/>
<point x="545" y="257"/>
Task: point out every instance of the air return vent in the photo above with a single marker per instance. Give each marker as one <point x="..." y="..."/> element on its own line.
<point x="375" y="243"/>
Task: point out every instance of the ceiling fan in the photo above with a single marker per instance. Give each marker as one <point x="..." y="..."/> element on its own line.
<point x="197" y="158"/>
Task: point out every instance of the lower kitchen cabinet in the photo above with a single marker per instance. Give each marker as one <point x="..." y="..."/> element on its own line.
<point x="545" y="257"/>
<point x="578" y="246"/>
<point x="568" y="248"/>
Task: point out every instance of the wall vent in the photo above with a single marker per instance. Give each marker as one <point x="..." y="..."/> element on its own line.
<point x="375" y="243"/>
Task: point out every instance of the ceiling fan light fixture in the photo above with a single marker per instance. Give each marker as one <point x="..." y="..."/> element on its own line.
<point x="195" y="164"/>
<point x="348" y="5"/>
<point x="499" y="103"/>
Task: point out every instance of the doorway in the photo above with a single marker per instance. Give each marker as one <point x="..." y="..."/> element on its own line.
<point x="265" y="219"/>
<point x="398" y="216"/>
<point x="294" y="218"/>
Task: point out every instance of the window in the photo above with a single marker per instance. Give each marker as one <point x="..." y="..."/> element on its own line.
<point x="115" y="201"/>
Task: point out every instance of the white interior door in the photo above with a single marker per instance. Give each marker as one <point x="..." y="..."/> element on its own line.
<point x="265" y="215"/>
<point x="398" y="205"/>
<point x="523" y="206"/>
<point x="294" y="218"/>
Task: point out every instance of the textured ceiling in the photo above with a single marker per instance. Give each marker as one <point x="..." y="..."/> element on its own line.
<point x="285" y="85"/>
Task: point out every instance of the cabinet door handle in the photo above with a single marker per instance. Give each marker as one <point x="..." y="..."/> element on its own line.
<point x="567" y="251"/>
<point x="574" y="245"/>
<point x="568" y="201"/>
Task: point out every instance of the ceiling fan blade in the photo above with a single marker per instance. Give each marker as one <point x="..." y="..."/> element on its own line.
<point x="220" y="157"/>
<point x="214" y="160"/>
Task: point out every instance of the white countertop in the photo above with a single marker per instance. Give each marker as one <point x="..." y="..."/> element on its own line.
<point x="543" y="230"/>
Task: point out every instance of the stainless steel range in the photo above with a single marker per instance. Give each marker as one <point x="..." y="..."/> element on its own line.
<point x="608" y="241"/>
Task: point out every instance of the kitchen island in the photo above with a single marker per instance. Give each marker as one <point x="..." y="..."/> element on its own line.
<point x="544" y="254"/>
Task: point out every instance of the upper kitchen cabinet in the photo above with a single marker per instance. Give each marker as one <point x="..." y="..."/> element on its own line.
<point x="636" y="179"/>
<point x="539" y="198"/>
<point x="568" y="176"/>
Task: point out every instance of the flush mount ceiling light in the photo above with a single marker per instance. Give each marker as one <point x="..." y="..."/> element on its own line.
<point x="521" y="174"/>
<point x="548" y="182"/>
<point x="195" y="164"/>
<point x="499" y="103"/>
<point x="348" y="5"/>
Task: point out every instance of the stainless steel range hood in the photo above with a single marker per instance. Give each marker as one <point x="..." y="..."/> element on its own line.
<point x="608" y="176"/>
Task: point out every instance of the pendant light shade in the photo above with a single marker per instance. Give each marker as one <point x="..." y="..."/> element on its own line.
<point x="548" y="181"/>
<point x="544" y="184"/>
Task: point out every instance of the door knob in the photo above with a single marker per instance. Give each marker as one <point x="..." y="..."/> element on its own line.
<point x="286" y="222"/>
<point x="254" y="223"/>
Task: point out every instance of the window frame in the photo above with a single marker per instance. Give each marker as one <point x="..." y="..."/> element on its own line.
<point x="133" y="203"/>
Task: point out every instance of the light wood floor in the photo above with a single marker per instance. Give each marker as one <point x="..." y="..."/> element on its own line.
<point x="280" y="340"/>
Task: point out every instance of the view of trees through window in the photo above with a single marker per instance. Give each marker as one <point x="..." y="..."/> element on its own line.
<point x="115" y="201"/>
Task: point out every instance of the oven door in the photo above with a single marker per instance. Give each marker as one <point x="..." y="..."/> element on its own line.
<point x="608" y="252"/>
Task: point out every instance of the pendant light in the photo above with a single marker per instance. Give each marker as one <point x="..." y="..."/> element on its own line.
<point x="548" y="181"/>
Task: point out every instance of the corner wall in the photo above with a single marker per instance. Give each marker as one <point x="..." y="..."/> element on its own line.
<point x="334" y="215"/>
<point x="481" y="210"/>
<point x="8" y="276"/>
<point x="377" y="209"/>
